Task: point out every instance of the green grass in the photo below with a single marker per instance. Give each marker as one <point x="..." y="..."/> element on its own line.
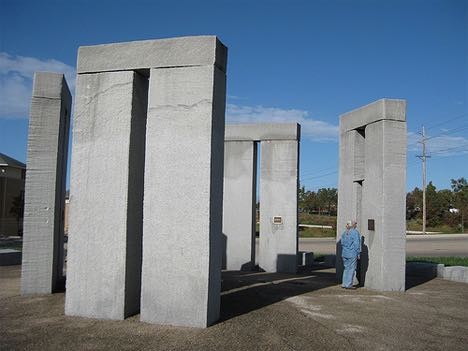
<point x="11" y="245"/>
<point x="448" y="261"/>
<point x="416" y="224"/>
<point x="316" y="233"/>
<point x="306" y="218"/>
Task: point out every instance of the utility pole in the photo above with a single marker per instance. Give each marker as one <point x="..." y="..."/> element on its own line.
<point x="423" y="158"/>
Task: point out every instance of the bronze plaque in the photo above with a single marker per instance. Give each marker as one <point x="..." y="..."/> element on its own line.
<point x="277" y="220"/>
<point x="371" y="224"/>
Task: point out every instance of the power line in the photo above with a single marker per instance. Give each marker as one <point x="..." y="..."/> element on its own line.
<point x="320" y="176"/>
<point x="455" y="148"/>
<point x="446" y="121"/>
<point x="448" y="132"/>
<point x="319" y="171"/>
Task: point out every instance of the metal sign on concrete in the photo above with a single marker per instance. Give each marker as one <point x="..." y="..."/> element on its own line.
<point x="372" y="183"/>
<point x="278" y="195"/>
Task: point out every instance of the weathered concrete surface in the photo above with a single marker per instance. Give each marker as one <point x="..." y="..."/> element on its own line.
<point x="161" y="53"/>
<point x="278" y="194"/>
<point x="296" y="312"/>
<point x="263" y="131"/>
<point x="455" y="273"/>
<point x="372" y="180"/>
<point x="388" y="109"/>
<point x="44" y="203"/>
<point x="181" y="273"/>
<point x="106" y="196"/>
<point x="240" y="178"/>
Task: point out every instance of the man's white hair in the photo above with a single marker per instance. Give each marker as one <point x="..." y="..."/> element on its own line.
<point x="350" y="223"/>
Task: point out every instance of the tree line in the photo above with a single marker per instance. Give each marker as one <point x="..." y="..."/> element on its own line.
<point x="445" y="206"/>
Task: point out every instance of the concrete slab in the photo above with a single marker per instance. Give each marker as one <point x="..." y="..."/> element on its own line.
<point x="389" y="109"/>
<point x="239" y="205"/>
<point x="278" y="216"/>
<point x="106" y="196"/>
<point x="44" y="203"/>
<point x="263" y="131"/>
<point x="160" y="53"/>
<point x="181" y="272"/>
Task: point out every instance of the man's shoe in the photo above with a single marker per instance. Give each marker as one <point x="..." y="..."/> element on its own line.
<point x="350" y="287"/>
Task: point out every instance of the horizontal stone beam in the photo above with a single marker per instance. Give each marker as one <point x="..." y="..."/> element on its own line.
<point x="262" y="131"/>
<point x="145" y="54"/>
<point x="383" y="109"/>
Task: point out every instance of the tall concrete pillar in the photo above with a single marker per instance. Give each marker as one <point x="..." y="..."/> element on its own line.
<point x="239" y="222"/>
<point x="182" y="226"/>
<point x="49" y="123"/>
<point x="372" y="183"/>
<point x="279" y="184"/>
<point x="106" y="195"/>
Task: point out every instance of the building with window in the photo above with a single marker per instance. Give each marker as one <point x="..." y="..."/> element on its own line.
<point x="12" y="177"/>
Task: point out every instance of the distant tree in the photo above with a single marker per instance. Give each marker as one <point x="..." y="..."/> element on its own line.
<point x="414" y="204"/>
<point x="460" y="189"/>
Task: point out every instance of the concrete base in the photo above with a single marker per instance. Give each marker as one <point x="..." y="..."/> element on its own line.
<point x="9" y="257"/>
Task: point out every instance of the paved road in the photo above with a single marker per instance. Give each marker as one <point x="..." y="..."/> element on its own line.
<point x="416" y="245"/>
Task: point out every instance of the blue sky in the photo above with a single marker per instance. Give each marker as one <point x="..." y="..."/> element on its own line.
<point x="304" y="61"/>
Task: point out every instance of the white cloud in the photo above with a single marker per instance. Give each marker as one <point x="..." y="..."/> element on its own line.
<point x="443" y="145"/>
<point x="310" y="128"/>
<point x="16" y="74"/>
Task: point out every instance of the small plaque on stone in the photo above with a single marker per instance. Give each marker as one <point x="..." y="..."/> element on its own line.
<point x="277" y="220"/>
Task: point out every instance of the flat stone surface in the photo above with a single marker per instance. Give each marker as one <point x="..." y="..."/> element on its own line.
<point x="239" y="205"/>
<point x="106" y="195"/>
<point x="263" y="131"/>
<point x="52" y="86"/>
<point x="183" y="180"/>
<point x="278" y="193"/>
<point x="392" y="109"/>
<point x="259" y="311"/>
<point x="159" y="53"/>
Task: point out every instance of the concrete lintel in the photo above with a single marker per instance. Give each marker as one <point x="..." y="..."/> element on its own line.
<point x="160" y="53"/>
<point x="262" y="131"/>
<point x="390" y="109"/>
<point x="52" y="86"/>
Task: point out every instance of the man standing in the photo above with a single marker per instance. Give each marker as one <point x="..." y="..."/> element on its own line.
<point x="350" y="250"/>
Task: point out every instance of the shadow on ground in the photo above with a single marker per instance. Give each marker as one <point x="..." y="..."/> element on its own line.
<point x="244" y="292"/>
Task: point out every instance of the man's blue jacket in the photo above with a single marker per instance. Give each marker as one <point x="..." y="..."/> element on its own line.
<point x="350" y="243"/>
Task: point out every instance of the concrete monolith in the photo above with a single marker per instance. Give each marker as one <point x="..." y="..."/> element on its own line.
<point x="42" y="267"/>
<point x="182" y="226"/>
<point x="372" y="182"/>
<point x="279" y="181"/>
